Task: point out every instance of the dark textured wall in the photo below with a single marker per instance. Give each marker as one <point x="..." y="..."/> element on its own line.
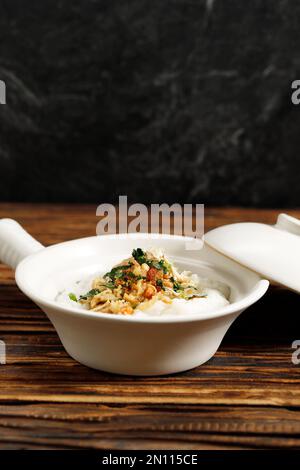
<point x="175" y="101"/>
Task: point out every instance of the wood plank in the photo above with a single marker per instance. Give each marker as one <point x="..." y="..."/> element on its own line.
<point x="102" y="426"/>
<point x="53" y="223"/>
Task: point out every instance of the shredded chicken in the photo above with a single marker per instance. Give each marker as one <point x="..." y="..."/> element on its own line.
<point x="138" y="282"/>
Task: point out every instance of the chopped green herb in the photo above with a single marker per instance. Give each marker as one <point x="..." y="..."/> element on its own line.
<point x="161" y="265"/>
<point x="154" y="264"/>
<point x="91" y="293"/>
<point x="72" y="297"/>
<point x="118" y="272"/>
<point x="110" y="285"/>
<point x="133" y="276"/>
<point x="164" y="266"/>
<point x="167" y="266"/>
<point x="160" y="284"/>
<point x="139" y="255"/>
<point x="176" y="286"/>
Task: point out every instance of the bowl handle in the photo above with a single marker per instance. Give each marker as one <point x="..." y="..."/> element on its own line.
<point x="15" y="243"/>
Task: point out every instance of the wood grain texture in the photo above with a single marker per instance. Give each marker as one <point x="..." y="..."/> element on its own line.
<point x="246" y="396"/>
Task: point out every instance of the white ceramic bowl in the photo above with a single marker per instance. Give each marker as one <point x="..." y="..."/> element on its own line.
<point x="125" y="344"/>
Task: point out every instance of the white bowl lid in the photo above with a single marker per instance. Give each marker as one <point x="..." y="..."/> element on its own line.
<point x="273" y="251"/>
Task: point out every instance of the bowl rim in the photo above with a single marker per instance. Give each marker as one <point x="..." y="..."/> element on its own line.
<point x="255" y="294"/>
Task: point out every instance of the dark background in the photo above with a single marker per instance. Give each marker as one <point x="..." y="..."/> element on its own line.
<point x="165" y="101"/>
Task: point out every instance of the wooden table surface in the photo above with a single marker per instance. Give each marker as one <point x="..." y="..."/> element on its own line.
<point x="246" y="396"/>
